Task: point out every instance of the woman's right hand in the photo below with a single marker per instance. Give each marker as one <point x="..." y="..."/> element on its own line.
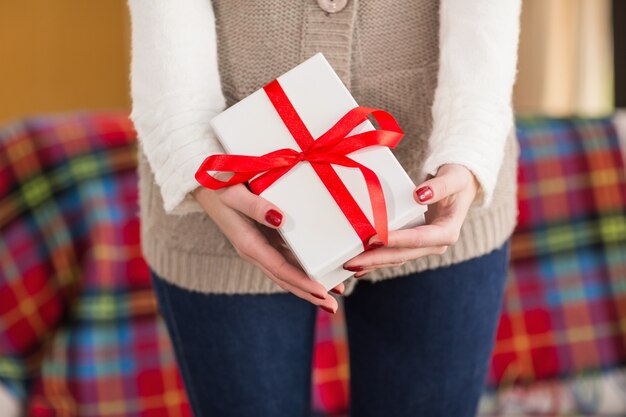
<point x="236" y="210"/>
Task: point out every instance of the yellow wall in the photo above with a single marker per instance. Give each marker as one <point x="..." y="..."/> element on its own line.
<point x="565" y="58"/>
<point x="60" y="55"/>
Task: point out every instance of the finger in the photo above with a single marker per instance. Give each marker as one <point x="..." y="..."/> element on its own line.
<point x="364" y="272"/>
<point x="329" y="304"/>
<point x="442" y="233"/>
<point x="389" y="257"/>
<point x="339" y="289"/>
<point x="241" y="199"/>
<point x="375" y="242"/>
<point x="389" y="265"/>
<point x="252" y="245"/>
<point x="450" y="179"/>
<point x="278" y="266"/>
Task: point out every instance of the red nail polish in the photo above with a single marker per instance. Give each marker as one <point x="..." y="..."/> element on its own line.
<point x="336" y="291"/>
<point x="321" y="297"/>
<point x="326" y="309"/>
<point x="424" y="194"/>
<point x="353" y="268"/>
<point x="273" y="217"/>
<point x="375" y="245"/>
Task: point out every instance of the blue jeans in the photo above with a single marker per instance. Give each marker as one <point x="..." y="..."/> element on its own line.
<point x="419" y="345"/>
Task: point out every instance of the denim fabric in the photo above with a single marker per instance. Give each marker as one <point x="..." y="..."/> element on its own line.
<point x="419" y="344"/>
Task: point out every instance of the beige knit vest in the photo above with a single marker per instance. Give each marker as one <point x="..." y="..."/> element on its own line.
<point x="386" y="52"/>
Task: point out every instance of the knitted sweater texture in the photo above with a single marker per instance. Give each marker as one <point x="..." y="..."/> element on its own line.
<point x="389" y="53"/>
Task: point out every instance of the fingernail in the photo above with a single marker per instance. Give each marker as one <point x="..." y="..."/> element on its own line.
<point x="376" y="244"/>
<point x="273" y="217"/>
<point x="328" y="310"/>
<point x="424" y="194"/>
<point x="336" y="291"/>
<point x="353" y="268"/>
<point x="321" y="297"/>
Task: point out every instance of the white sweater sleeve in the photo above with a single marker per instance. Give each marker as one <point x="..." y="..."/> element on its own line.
<point x="176" y="90"/>
<point x="472" y="110"/>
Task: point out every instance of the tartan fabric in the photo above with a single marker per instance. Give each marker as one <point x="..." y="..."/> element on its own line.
<point x="78" y="327"/>
<point x="565" y="303"/>
<point x="601" y="393"/>
<point x="79" y="331"/>
<point x="330" y="364"/>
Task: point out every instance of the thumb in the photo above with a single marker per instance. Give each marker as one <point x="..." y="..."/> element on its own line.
<point x="450" y="179"/>
<point x="257" y="208"/>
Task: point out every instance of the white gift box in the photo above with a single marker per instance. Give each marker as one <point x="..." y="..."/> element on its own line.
<point x="314" y="227"/>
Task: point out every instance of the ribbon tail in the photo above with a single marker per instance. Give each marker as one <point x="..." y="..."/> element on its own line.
<point x="377" y="201"/>
<point x="375" y="193"/>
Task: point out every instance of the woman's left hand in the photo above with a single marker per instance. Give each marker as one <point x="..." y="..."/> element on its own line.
<point x="449" y="195"/>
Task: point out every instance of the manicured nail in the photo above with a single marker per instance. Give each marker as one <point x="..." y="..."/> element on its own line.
<point x="424" y="194"/>
<point x="328" y="310"/>
<point x="353" y="268"/>
<point x="336" y="291"/>
<point x="273" y="217"/>
<point x="376" y="244"/>
<point x="321" y="297"/>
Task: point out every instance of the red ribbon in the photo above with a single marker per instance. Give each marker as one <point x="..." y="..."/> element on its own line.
<point x="330" y="148"/>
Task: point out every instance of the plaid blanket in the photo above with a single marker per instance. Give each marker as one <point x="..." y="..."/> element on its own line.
<point x="78" y="326"/>
<point x="565" y="303"/>
<point x="566" y="299"/>
<point x="561" y="343"/>
<point x="79" y="331"/>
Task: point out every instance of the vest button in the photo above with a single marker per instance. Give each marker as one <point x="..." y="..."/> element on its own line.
<point x="332" y="6"/>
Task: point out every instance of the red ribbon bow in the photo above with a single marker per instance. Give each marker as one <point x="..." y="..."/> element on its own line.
<point x="330" y="148"/>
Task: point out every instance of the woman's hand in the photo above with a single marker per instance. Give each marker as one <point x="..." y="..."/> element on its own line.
<point x="449" y="195"/>
<point x="236" y="211"/>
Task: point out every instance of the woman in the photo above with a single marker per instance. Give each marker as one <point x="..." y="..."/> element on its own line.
<point x="422" y="311"/>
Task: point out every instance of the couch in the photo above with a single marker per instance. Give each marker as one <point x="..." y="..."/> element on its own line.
<point x="80" y="333"/>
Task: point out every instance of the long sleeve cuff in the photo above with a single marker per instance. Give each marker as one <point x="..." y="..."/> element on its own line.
<point x="470" y="131"/>
<point x="176" y="90"/>
<point x="190" y="140"/>
<point x="472" y="111"/>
